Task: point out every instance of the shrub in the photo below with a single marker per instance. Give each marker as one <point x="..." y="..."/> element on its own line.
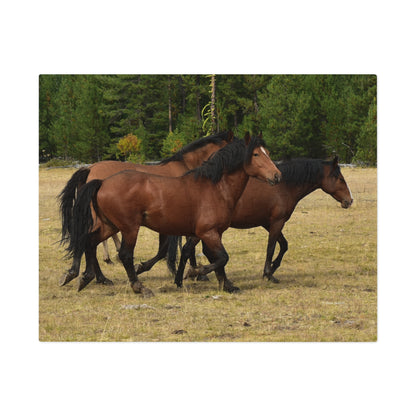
<point x="129" y="147"/>
<point x="174" y="142"/>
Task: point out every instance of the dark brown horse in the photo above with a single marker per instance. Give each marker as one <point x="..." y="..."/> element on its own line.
<point x="272" y="207"/>
<point x="189" y="157"/>
<point x="199" y="204"/>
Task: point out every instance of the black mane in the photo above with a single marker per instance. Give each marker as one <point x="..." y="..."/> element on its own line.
<point x="197" y="144"/>
<point x="299" y="171"/>
<point x="226" y="160"/>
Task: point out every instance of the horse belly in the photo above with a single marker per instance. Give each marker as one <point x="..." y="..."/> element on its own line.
<point x="248" y="214"/>
<point x="254" y="207"/>
<point x="170" y="218"/>
<point x="168" y="226"/>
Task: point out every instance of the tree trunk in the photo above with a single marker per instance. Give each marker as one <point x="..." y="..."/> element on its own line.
<point x="198" y="104"/>
<point x="183" y="92"/>
<point x="213" y="113"/>
<point x="256" y="105"/>
<point x="170" y="107"/>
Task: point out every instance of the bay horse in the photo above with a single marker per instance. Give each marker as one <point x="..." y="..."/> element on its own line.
<point x="188" y="158"/>
<point x="198" y="204"/>
<point x="272" y="207"/>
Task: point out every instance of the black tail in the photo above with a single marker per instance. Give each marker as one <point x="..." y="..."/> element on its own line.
<point x="82" y="220"/>
<point x="67" y="200"/>
<point x="173" y="242"/>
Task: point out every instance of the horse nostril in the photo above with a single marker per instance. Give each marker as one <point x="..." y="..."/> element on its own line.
<point x="276" y="178"/>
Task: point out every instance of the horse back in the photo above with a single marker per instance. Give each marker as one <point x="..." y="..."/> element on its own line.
<point x="107" y="168"/>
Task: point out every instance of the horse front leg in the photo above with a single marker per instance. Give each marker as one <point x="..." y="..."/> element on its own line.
<point x="161" y="254"/>
<point x="192" y="273"/>
<point x="220" y="257"/>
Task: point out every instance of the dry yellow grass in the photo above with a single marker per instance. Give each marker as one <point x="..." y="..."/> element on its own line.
<point x="328" y="289"/>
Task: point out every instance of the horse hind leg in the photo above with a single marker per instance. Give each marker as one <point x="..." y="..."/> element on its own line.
<point x="101" y="279"/>
<point x="92" y="268"/>
<point x="106" y="254"/>
<point x="185" y="254"/>
<point x="268" y="272"/>
<point x="283" y="248"/>
<point x="126" y="256"/>
<point x="90" y="259"/>
<point x="117" y="242"/>
<point x="275" y="234"/>
<point x="72" y="273"/>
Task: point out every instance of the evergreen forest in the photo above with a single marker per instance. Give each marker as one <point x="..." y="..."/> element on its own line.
<point x="140" y="118"/>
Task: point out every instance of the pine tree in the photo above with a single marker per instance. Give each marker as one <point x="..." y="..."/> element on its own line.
<point x="85" y="116"/>
<point x="63" y="129"/>
<point x="92" y="134"/>
<point x="48" y="88"/>
<point x="367" y="139"/>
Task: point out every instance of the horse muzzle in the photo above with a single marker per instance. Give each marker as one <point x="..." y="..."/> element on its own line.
<point x="346" y="204"/>
<point x="276" y="179"/>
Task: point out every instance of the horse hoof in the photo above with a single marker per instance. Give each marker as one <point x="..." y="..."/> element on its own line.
<point x="84" y="282"/>
<point x="66" y="278"/>
<point x="272" y="279"/>
<point x="232" y="289"/>
<point x="109" y="262"/>
<point x="141" y="290"/>
<point x="137" y="287"/>
<point x="105" y="281"/>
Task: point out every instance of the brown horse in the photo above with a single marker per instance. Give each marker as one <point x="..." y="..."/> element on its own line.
<point x="199" y="204"/>
<point x="189" y="157"/>
<point x="272" y="207"/>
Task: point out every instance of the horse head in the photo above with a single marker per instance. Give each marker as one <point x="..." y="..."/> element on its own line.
<point x="334" y="184"/>
<point x="258" y="163"/>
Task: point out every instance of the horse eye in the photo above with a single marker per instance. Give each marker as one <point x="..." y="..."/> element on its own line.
<point x="255" y="154"/>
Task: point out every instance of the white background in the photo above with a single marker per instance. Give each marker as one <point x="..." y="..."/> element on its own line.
<point x="48" y="37"/>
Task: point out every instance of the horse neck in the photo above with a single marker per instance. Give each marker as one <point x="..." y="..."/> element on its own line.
<point x="232" y="186"/>
<point x="302" y="190"/>
<point x="194" y="159"/>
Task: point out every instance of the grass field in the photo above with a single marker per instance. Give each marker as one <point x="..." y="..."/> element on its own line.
<point x="328" y="288"/>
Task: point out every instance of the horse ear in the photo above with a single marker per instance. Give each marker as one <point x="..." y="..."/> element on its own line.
<point x="261" y="135"/>
<point x="230" y="136"/>
<point x="335" y="161"/>
<point x="247" y="138"/>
